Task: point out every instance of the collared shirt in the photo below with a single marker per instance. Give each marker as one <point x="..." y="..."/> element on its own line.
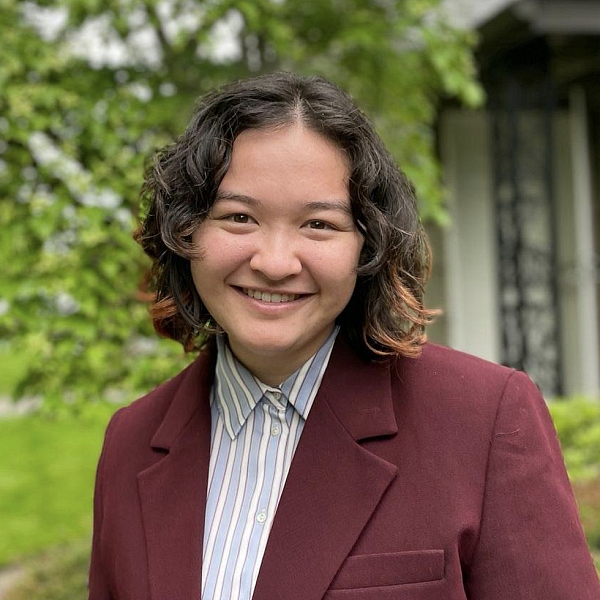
<point x="254" y="433"/>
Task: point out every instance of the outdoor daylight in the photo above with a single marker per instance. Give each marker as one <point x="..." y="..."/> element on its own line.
<point x="300" y="299"/>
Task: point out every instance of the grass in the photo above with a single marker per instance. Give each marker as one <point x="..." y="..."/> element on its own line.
<point x="46" y="480"/>
<point x="57" y="575"/>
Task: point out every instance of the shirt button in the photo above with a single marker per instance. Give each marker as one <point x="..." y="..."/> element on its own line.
<point x="261" y="517"/>
<point x="275" y="430"/>
<point x="276" y="395"/>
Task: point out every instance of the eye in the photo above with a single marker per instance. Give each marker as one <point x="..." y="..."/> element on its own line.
<point x="240" y="218"/>
<point x="319" y="225"/>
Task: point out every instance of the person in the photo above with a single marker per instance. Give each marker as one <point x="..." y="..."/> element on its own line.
<point x="318" y="447"/>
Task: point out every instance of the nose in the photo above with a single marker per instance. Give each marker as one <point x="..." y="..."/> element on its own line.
<point x="276" y="257"/>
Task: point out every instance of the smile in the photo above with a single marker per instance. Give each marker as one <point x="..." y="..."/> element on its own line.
<point x="270" y="297"/>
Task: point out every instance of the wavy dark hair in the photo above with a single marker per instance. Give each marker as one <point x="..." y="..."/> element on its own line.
<point x="385" y="315"/>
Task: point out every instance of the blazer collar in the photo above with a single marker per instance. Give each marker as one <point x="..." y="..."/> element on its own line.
<point x="359" y="393"/>
<point x="172" y="490"/>
<point x="191" y="395"/>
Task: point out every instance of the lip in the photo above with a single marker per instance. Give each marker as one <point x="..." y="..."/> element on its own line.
<point x="273" y="307"/>
<point x="272" y="291"/>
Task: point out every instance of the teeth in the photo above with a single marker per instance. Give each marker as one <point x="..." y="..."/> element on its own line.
<point x="267" y="297"/>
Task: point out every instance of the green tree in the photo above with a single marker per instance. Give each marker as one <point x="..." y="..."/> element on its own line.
<point x="88" y="89"/>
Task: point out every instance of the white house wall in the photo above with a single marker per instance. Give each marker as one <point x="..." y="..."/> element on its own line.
<point x="469" y="245"/>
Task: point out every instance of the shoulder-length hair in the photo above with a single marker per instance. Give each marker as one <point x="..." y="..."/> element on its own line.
<point x="385" y="315"/>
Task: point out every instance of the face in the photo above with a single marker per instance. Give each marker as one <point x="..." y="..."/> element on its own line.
<point x="279" y="249"/>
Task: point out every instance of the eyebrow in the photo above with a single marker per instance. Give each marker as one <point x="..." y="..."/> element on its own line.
<point x="338" y="205"/>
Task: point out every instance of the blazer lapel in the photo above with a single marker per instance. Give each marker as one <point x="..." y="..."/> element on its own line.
<point x="173" y="490"/>
<point x="334" y="484"/>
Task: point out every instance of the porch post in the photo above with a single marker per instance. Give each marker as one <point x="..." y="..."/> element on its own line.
<point x="587" y="300"/>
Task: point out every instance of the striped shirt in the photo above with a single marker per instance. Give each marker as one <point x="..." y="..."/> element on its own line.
<point x="254" y="432"/>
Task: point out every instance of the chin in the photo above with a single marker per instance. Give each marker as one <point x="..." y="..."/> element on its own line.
<point x="269" y="348"/>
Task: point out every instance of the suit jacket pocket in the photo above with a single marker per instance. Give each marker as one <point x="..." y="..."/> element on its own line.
<point x="392" y="568"/>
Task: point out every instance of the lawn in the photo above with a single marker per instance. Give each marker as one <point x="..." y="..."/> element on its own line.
<point x="46" y="480"/>
<point x="46" y="472"/>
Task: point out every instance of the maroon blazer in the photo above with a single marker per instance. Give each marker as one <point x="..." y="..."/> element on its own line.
<point x="437" y="478"/>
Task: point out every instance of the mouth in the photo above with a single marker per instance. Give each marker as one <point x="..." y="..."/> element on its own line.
<point x="270" y="297"/>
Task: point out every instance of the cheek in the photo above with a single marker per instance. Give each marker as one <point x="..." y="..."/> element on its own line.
<point x="337" y="269"/>
<point x="219" y="256"/>
<point x="199" y="277"/>
<point x="346" y="257"/>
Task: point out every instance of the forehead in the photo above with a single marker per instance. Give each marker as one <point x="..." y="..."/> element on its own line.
<point x="290" y="162"/>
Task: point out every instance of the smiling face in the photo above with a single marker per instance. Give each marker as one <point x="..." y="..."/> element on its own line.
<point x="279" y="248"/>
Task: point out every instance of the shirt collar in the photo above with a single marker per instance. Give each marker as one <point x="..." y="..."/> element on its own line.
<point x="237" y="391"/>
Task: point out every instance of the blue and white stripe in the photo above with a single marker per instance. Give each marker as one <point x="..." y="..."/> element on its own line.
<point x="254" y="433"/>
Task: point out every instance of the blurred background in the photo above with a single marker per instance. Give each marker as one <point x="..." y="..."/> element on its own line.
<point x="492" y="107"/>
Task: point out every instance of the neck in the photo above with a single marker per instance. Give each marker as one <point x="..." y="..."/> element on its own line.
<point x="268" y="369"/>
<point x="274" y="369"/>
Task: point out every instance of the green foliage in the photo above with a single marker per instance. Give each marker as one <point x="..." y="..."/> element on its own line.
<point x="75" y="130"/>
<point x="12" y="368"/>
<point x="587" y="493"/>
<point x="577" y="422"/>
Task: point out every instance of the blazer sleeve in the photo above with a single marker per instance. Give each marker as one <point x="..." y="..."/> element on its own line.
<point x="531" y="544"/>
<point x="97" y="583"/>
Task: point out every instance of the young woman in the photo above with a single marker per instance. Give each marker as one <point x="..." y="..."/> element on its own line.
<point x="318" y="447"/>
